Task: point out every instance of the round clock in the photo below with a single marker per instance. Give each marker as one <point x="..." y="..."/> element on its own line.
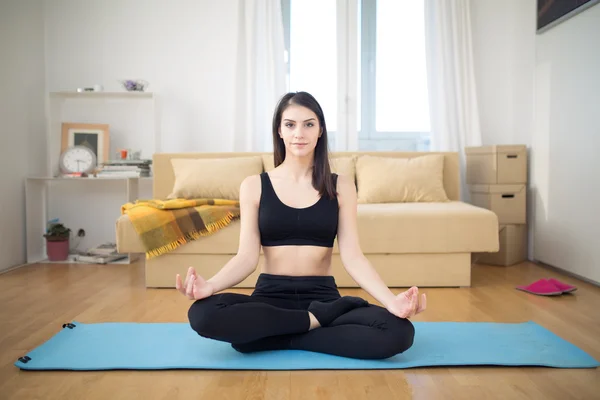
<point x="77" y="159"/>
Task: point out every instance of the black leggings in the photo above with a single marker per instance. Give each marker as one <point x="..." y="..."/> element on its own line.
<point x="275" y="317"/>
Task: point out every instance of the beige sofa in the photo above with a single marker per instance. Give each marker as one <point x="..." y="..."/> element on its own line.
<point x="428" y="244"/>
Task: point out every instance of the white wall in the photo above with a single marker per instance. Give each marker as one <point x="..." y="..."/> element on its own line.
<point x="185" y="49"/>
<point x="504" y="47"/>
<point x="504" y="57"/>
<point x="22" y="89"/>
<point x="540" y="90"/>
<point x="566" y="142"/>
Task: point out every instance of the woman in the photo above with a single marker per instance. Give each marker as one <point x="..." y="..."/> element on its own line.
<point x="295" y="212"/>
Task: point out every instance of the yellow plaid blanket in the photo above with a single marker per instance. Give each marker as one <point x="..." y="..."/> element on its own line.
<point x="164" y="225"/>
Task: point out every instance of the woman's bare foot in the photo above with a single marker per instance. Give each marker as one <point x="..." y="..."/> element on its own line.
<point x="327" y="312"/>
<point x="314" y="322"/>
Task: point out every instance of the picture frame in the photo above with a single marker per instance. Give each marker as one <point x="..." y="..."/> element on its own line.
<point x="94" y="136"/>
<point x="552" y="12"/>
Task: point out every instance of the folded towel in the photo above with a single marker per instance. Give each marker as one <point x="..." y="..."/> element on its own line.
<point x="164" y="225"/>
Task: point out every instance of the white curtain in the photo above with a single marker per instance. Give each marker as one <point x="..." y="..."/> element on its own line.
<point x="452" y="92"/>
<point x="260" y="73"/>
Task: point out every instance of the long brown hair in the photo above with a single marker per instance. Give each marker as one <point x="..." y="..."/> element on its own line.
<point x="322" y="179"/>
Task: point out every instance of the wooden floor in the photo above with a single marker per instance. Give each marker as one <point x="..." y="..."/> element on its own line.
<point x="36" y="300"/>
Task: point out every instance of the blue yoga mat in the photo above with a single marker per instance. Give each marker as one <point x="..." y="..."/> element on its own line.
<point x="151" y="346"/>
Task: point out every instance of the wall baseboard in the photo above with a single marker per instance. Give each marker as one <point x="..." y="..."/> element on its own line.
<point x="564" y="271"/>
<point x="4" y="271"/>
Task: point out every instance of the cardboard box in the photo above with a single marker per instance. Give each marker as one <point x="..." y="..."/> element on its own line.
<point x="508" y="202"/>
<point x="496" y="164"/>
<point x="513" y="247"/>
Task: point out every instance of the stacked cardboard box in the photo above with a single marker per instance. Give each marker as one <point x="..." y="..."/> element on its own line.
<point x="497" y="179"/>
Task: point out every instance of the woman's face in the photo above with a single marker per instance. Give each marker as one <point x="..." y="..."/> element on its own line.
<point x="299" y="130"/>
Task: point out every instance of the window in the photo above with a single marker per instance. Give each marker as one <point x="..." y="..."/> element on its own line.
<point x="311" y="52"/>
<point x="401" y="79"/>
<point x="392" y="110"/>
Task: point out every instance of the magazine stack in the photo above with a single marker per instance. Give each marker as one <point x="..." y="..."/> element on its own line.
<point x="125" y="169"/>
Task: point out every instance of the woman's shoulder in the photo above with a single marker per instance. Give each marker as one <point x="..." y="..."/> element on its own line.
<point x="345" y="187"/>
<point x="250" y="188"/>
<point x="344" y="182"/>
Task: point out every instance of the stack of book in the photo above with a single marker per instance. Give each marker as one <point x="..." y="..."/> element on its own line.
<point x="124" y="169"/>
<point x="102" y="254"/>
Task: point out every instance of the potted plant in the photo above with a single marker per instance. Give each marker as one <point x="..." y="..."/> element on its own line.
<point x="57" y="242"/>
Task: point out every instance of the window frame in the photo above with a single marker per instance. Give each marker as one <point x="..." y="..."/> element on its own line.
<point x="348" y="137"/>
<point x="368" y="17"/>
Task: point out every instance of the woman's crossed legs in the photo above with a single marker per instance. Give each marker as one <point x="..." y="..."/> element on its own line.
<point x="259" y="323"/>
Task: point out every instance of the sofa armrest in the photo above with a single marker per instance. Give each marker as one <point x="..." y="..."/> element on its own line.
<point x="128" y="240"/>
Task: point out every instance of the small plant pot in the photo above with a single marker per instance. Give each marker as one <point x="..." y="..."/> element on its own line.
<point x="57" y="250"/>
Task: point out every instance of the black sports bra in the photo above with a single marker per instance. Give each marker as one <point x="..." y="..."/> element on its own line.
<point x="282" y="225"/>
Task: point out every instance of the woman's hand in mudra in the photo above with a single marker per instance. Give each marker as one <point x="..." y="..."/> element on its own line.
<point x="407" y="304"/>
<point x="194" y="287"/>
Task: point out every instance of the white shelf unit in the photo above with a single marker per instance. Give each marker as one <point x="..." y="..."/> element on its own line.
<point x="37" y="199"/>
<point x="113" y="108"/>
<point x="138" y="134"/>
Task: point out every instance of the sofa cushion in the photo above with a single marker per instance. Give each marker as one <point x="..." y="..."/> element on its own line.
<point x="212" y="178"/>
<point x="344" y="166"/>
<point x="394" y="180"/>
<point x="448" y="227"/>
<point x="268" y="162"/>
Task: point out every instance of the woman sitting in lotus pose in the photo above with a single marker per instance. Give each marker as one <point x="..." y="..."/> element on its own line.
<point x="295" y="212"/>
